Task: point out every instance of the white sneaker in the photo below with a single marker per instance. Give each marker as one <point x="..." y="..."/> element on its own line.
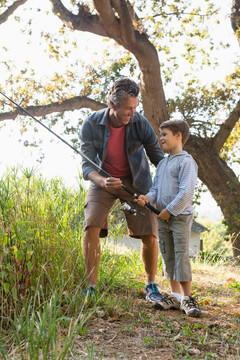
<point x="167" y="302"/>
<point x="190" y="307"/>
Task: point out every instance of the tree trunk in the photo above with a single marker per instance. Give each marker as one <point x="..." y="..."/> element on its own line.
<point x="221" y="182"/>
<point x="235" y="18"/>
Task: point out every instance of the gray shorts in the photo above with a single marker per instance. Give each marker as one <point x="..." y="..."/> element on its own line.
<point x="174" y="246"/>
<point x="99" y="203"/>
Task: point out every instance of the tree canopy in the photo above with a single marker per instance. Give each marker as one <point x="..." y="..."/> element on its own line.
<point x="174" y="49"/>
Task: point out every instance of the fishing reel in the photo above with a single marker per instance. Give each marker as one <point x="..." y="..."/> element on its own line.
<point x="128" y="208"/>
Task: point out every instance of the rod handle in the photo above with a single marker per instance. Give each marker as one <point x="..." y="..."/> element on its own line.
<point x="148" y="205"/>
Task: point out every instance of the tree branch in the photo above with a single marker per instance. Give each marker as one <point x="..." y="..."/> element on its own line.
<point x="107" y="17"/>
<point x="115" y="20"/>
<point x="76" y="103"/>
<point x="10" y="10"/>
<point x="126" y="22"/>
<point x="235" y="18"/>
<point x="84" y="21"/>
<point x="226" y="128"/>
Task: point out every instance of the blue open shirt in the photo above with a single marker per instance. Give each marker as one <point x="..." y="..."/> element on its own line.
<point x="140" y="142"/>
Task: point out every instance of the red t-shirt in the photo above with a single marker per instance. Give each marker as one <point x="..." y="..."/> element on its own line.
<point x="116" y="162"/>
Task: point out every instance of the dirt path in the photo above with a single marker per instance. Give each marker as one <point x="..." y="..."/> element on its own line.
<point x="141" y="332"/>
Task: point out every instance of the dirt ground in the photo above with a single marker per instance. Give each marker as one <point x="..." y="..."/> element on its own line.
<point x="145" y="333"/>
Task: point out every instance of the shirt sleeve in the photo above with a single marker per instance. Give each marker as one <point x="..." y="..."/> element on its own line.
<point x="87" y="149"/>
<point x="153" y="191"/>
<point x="187" y="181"/>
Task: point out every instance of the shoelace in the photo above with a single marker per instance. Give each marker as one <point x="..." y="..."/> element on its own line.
<point x="192" y="302"/>
<point x="154" y="288"/>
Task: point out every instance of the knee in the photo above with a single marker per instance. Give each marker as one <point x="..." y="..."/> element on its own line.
<point x="91" y="231"/>
<point x="149" y="240"/>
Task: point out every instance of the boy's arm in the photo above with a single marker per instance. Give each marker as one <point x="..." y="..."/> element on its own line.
<point x="187" y="182"/>
<point x="164" y="215"/>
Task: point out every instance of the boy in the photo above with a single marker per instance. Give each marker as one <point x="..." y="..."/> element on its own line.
<point x="172" y="191"/>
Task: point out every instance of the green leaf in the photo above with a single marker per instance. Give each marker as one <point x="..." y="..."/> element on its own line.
<point x="6" y="287"/>
<point x="20" y="255"/>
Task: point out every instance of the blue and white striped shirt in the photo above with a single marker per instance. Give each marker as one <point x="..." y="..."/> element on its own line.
<point x="174" y="184"/>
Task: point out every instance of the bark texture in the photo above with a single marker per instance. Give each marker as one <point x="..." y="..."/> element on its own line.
<point x="235" y="18"/>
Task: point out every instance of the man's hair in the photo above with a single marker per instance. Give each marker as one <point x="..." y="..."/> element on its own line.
<point x="122" y="88"/>
<point x="177" y="126"/>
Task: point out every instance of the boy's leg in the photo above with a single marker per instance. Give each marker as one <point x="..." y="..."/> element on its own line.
<point x="168" y="301"/>
<point x="186" y="287"/>
<point x="175" y="286"/>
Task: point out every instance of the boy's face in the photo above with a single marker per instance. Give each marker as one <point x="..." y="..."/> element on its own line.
<point x="169" y="142"/>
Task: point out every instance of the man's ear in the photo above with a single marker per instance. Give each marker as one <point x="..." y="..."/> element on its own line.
<point x="112" y="106"/>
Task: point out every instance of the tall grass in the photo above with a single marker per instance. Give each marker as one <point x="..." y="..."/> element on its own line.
<point x="42" y="307"/>
<point x="40" y="230"/>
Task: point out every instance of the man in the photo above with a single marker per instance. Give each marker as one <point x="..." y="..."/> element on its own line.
<point x="115" y="139"/>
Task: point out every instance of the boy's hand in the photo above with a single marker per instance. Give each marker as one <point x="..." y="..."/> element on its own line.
<point x="142" y="200"/>
<point x="164" y="215"/>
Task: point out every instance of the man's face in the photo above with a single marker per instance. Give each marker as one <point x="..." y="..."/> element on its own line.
<point x="120" y="115"/>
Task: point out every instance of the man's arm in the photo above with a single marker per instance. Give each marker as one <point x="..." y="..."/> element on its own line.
<point x="151" y="143"/>
<point x="104" y="182"/>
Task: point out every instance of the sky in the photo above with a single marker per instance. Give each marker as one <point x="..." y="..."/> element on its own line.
<point x="60" y="160"/>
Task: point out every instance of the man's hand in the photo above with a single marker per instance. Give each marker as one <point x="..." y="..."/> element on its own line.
<point x="142" y="200"/>
<point x="112" y="183"/>
<point x="105" y="183"/>
<point x="164" y="215"/>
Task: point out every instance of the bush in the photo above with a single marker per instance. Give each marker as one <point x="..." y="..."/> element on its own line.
<point x="215" y="244"/>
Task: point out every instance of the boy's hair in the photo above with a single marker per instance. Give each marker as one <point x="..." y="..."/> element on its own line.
<point x="177" y="126"/>
<point x="121" y="87"/>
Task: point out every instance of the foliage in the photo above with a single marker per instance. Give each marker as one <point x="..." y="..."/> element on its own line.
<point x="215" y="240"/>
<point x="44" y="313"/>
<point x="40" y="228"/>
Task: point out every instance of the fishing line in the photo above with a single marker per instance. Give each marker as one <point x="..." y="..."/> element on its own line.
<point x="132" y="193"/>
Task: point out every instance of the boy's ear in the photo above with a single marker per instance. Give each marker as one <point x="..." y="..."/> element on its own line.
<point x="179" y="135"/>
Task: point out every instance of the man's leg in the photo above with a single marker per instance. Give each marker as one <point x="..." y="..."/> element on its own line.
<point x="150" y="256"/>
<point x="91" y="253"/>
<point x="150" y="261"/>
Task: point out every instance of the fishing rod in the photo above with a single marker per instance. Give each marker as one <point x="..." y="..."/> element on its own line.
<point x="129" y="191"/>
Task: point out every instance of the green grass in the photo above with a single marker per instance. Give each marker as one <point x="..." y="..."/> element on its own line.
<point x="42" y="270"/>
<point x="43" y="312"/>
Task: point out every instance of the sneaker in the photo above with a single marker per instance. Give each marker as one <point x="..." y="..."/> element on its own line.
<point x="190" y="307"/>
<point x="168" y="302"/>
<point x="89" y="292"/>
<point x="152" y="293"/>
